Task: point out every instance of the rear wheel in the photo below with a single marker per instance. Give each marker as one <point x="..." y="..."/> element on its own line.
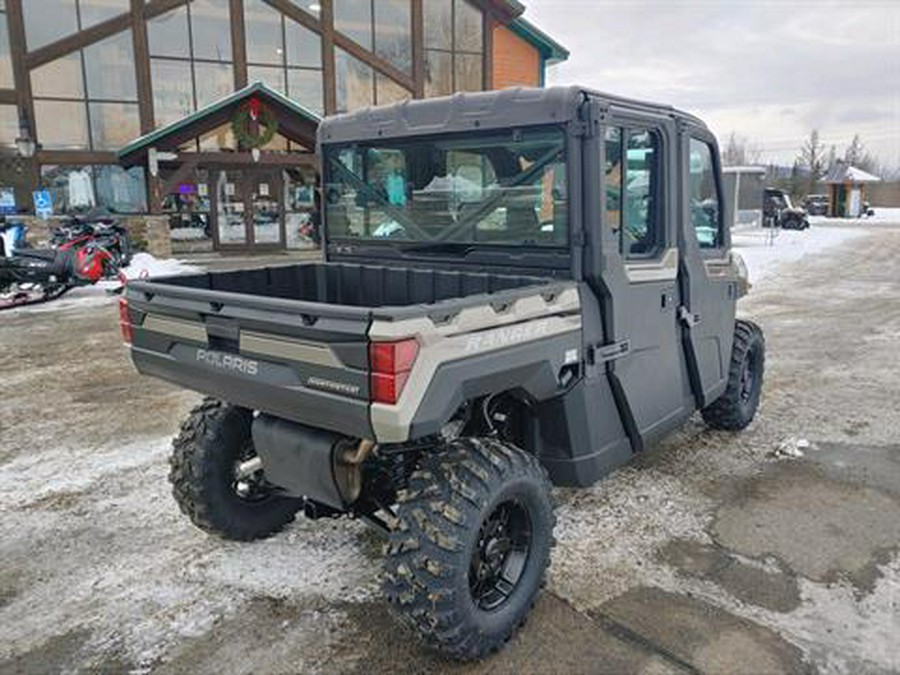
<point x="210" y="489"/>
<point x="467" y="559"/>
<point x="735" y="408"/>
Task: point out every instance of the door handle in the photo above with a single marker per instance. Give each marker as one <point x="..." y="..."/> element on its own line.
<point x="687" y="317"/>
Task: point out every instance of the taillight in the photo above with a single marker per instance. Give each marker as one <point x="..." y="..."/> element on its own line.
<point x="391" y="363"/>
<point x="125" y="324"/>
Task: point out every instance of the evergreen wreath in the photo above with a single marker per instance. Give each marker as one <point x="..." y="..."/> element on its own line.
<point x="254" y="111"/>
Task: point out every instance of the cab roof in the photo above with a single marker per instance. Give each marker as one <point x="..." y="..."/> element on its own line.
<point x="479" y="111"/>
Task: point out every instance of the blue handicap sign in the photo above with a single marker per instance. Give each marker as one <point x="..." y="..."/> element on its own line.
<point x="43" y="204"/>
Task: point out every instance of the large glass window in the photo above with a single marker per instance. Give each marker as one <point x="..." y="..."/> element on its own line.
<point x="632" y="185"/>
<point x="706" y="211"/>
<point x="113" y="125"/>
<point x="494" y="188"/>
<point x="358" y="85"/>
<point x="47" y="21"/>
<point x="109" y="68"/>
<point x="190" y="64"/>
<point x="92" y="12"/>
<point x="104" y="186"/>
<point x="6" y="71"/>
<point x="354" y="82"/>
<point x="9" y="125"/>
<point x="88" y="99"/>
<point x="283" y="54"/>
<point x="381" y="26"/>
<point x="354" y="19"/>
<point x="211" y="29"/>
<point x="454" y="47"/>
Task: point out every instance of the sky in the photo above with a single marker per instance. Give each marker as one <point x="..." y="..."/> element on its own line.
<point x="768" y="70"/>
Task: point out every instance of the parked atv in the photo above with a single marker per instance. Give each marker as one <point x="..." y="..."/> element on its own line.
<point x="779" y="212"/>
<point x="529" y="295"/>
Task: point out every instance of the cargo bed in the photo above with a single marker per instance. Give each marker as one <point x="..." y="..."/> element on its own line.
<point x="293" y="341"/>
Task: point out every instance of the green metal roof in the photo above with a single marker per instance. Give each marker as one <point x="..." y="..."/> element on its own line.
<point x="148" y="140"/>
<point x="550" y="49"/>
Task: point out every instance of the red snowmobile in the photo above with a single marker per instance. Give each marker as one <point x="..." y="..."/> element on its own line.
<point x="32" y="275"/>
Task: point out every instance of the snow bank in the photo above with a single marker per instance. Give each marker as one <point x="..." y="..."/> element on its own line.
<point x="765" y="253"/>
<point x="144" y="266"/>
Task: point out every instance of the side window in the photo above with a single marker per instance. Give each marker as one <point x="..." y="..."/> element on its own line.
<point x="613" y="179"/>
<point x="706" y="206"/>
<point x="641" y="231"/>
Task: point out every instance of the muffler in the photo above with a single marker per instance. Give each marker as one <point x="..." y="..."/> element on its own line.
<point x="307" y="462"/>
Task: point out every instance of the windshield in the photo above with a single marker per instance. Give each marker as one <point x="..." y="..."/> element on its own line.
<point x="494" y="188"/>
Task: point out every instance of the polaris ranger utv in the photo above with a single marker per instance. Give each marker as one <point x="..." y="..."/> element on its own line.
<point x="520" y="289"/>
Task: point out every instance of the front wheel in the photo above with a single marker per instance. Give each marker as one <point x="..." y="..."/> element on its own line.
<point x="206" y="482"/>
<point x="736" y="407"/>
<point x="467" y="558"/>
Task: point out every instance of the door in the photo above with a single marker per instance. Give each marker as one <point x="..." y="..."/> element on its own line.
<point x="639" y="271"/>
<point x="708" y="285"/>
<point x="248" y="209"/>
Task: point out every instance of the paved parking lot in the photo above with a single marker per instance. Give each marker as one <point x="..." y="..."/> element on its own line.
<point x="712" y="553"/>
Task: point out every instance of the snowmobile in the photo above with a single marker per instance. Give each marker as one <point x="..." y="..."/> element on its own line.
<point x="100" y="229"/>
<point x="32" y="275"/>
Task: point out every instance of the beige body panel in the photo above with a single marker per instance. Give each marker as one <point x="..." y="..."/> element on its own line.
<point x="473" y="331"/>
<point x="285" y="348"/>
<point x="665" y="268"/>
<point x="179" y="328"/>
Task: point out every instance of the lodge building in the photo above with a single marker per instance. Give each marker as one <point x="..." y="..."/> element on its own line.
<point x="202" y="113"/>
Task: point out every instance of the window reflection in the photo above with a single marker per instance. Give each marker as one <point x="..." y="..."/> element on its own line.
<point x="354" y="19"/>
<point x="9" y="125"/>
<point x="211" y="29"/>
<point x="61" y="125"/>
<point x="109" y="66"/>
<point x="114" y="125"/>
<point x="354" y="85"/>
<point x="48" y="20"/>
<point x="454" y="47"/>
<point x="92" y="12"/>
<point x="6" y="72"/>
<point x="393" y="35"/>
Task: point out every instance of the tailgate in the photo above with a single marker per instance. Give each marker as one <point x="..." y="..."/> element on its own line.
<point x="303" y="361"/>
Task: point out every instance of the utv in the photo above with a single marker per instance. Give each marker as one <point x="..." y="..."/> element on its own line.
<point x="778" y="211"/>
<point x="520" y="289"/>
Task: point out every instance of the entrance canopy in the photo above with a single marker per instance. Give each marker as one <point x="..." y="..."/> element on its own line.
<point x="294" y="122"/>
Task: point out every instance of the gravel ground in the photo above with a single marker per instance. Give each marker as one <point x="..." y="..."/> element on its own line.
<point x="708" y="553"/>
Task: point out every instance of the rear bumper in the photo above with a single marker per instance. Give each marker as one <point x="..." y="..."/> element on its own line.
<point x="272" y="388"/>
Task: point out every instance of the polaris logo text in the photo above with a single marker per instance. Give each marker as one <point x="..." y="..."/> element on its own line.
<point x="501" y="337"/>
<point x="228" y="362"/>
<point x="341" y="387"/>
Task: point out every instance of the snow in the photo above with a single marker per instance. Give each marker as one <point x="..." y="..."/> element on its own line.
<point x="764" y="250"/>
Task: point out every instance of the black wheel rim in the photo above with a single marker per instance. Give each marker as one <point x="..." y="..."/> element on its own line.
<point x="500" y="555"/>
<point x="748" y="377"/>
<point x="252" y="488"/>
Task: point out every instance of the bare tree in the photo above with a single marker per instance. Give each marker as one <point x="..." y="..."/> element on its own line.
<point x="811" y="161"/>
<point x="739" y="151"/>
<point x="857" y="155"/>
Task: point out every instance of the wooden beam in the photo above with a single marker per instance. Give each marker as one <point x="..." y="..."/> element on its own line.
<point x="487" y="61"/>
<point x="238" y="44"/>
<point x="328" y="74"/>
<point x="16" y="26"/>
<point x="418" y="49"/>
<point x="142" y="66"/>
<point x="76" y="157"/>
<point x="9" y="96"/>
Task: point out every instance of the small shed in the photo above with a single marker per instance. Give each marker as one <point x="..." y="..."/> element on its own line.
<point x="847" y="189"/>
<point x="744" y="186"/>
